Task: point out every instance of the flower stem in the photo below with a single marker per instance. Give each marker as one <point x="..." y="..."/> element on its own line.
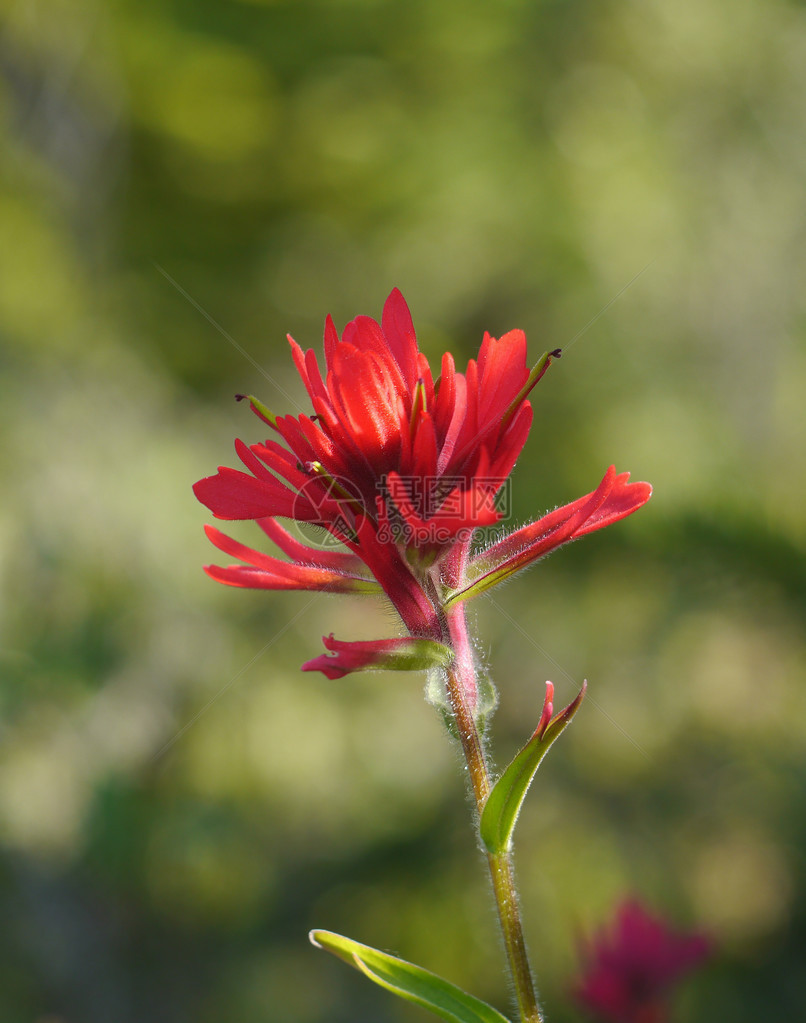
<point x="462" y="689"/>
<point x="506" y="897"/>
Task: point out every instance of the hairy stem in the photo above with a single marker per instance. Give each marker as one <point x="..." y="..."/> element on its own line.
<point x="462" y="691"/>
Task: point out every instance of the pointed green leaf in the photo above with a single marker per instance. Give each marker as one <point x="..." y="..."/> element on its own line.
<point x="504" y="802"/>
<point x="410" y="982"/>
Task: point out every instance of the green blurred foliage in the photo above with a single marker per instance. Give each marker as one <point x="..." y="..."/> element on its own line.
<point x="178" y="803"/>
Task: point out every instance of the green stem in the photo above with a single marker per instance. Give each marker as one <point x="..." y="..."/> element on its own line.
<point x="462" y="690"/>
<point x="506" y="898"/>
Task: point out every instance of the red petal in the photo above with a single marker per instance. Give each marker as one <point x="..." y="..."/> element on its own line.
<point x="502" y="373"/>
<point x="534" y="541"/>
<point x="330" y="340"/>
<point x="297" y="577"/>
<point x="509" y="447"/>
<point x="268" y="573"/>
<point x="554" y="529"/>
<point x="232" y="494"/>
<point x="424" y="374"/>
<point x="365" y="403"/>
<point x="340" y="561"/>
<point x="624" y="499"/>
<point x="404" y="654"/>
<point x="238" y="550"/>
<point x="350" y="656"/>
<point x="308" y="369"/>
<point x="445" y="396"/>
<point x="250" y="460"/>
<point x="454" y="429"/>
<point x="399" y="332"/>
<point x="424" y="455"/>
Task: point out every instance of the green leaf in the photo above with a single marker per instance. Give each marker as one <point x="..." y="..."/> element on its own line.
<point x="410" y="982"/>
<point x="504" y="802"/>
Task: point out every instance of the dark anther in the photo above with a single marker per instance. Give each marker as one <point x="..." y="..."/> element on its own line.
<point x="556" y="353"/>
<point x="241" y="397"/>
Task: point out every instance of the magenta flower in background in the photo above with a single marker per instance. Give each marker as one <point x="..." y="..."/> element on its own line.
<point x="631" y="967"/>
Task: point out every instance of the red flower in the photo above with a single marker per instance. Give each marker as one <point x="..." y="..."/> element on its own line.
<point x="632" y="967"/>
<point x="400" y="470"/>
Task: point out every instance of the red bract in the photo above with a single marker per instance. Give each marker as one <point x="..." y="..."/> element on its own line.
<point x="399" y="469"/>
<point x="614" y="498"/>
<point x="401" y="654"/>
<point x="631" y="968"/>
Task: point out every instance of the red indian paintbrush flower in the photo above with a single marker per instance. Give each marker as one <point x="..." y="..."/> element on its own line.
<point x="631" y="968"/>
<point x="401" y="470"/>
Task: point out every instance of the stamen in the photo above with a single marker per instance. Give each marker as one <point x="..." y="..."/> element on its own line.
<point x="334" y="487"/>
<point x="537" y="372"/>
<point x="259" y="408"/>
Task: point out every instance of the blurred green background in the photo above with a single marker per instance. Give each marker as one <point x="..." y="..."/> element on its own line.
<point x="179" y="804"/>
